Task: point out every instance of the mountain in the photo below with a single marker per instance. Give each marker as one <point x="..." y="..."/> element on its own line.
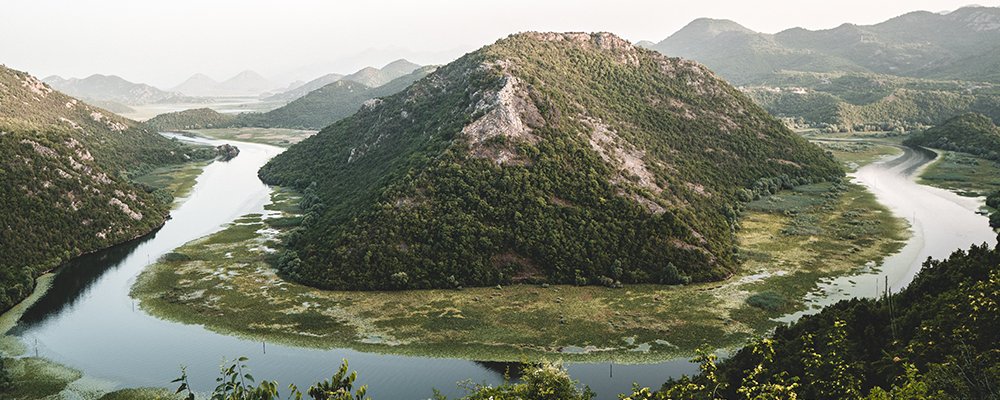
<point x="305" y="88"/>
<point x="108" y="88"/>
<point x="328" y="104"/>
<point x="197" y="85"/>
<point x="246" y="83"/>
<point x="64" y="184"/>
<point x="939" y="338"/>
<point x="864" y="101"/>
<point x="520" y="163"/>
<point x="958" y="45"/>
<point x="968" y="133"/>
<point x="374" y="77"/>
<point x="199" y="118"/>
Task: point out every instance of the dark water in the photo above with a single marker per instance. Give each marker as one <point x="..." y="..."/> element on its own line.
<point x="87" y="320"/>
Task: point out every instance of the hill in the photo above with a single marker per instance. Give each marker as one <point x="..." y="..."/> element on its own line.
<point x="374" y="77"/>
<point x="968" y="133"/>
<point x="246" y="83"/>
<point x="108" y="88"/>
<point x="543" y="157"/>
<point x="958" y="45"/>
<point x="863" y="101"/>
<point x="197" y="85"/>
<point x="936" y="339"/>
<point x="305" y="88"/>
<point x="200" y="118"/>
<point x="64" y="184"/>
<point x="328" y="104"/>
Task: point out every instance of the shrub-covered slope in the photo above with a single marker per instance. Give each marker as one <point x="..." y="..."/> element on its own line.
<point x="543" y="157"/>
<point x="64" y="187"/>
<point x="968" y="133"/>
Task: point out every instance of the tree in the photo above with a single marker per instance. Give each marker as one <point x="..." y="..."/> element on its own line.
<point x="236" y="383"/>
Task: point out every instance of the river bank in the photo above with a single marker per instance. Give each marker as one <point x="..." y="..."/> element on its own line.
<point x="788" y="241"/>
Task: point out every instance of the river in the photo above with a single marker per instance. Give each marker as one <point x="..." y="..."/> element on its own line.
<point x="88" y="321"/>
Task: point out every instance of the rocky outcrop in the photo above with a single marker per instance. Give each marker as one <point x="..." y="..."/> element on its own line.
<point x="227" y="151"/>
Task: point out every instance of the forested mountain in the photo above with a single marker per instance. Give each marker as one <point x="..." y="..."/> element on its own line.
<point x="65" y="180"/>
<point x="328" y="104"/>
<point x="108" y="88"/>
<point x="969" y="133"/>
<point x="199" y="118"/>
<point x="937" y="339"/>
<point x="305" y="88"/>
<point x="374" y="77"/>
<point x="862" y="101"/>
<point x="962" y="44"/>
<point x="543" y="157"/>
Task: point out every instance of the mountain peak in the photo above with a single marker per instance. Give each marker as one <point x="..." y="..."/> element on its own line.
<point x="521" y="130"/>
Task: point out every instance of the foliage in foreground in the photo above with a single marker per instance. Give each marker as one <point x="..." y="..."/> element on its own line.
<point x="236" y="383"/>
<point x="939" y="338"/>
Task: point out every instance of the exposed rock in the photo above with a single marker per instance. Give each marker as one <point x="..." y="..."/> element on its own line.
<point x="227" y="152"/>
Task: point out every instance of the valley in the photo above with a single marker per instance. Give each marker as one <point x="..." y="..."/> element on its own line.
<point x="423" y="201"/>
<point x="433" y="323"/>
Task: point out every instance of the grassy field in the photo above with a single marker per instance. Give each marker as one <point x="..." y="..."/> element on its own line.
<point x="272" y="136"/>
<point x="788" y="241"/>
<point x="963" y="174"/>
<point x="853" y="155"/>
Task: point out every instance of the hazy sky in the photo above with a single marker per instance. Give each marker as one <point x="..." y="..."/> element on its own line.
<point x="163" y="42"/>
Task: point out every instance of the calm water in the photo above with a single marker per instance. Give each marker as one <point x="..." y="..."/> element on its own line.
<point x="88" y="321"/>
<point x="940" y="222"/>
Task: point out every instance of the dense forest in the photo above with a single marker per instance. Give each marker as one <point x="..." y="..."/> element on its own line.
<point x="66" y="180"/>
<point x="544" y="157"/>
<point x="198" y="118"/>
<point x="868" y="102"/>
<point x="968" y="133"/>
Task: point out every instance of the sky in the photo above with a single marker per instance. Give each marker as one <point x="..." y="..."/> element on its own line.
<point x="163" y="42"/>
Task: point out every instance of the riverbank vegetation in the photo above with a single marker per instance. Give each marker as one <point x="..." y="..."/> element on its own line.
<point x="272" y="136"/>
<point x="938" y="338"/>
<point x="788" y="242"/>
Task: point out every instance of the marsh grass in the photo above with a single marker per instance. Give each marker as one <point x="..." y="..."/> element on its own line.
<point x="962" y="173"/>
<point x="272" y="136"/>
<point x="177" y="179"/>
<point x="228" y="286"/>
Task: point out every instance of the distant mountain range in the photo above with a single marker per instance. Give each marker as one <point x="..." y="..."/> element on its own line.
<point x="962" y="44"/>
<point x="109" y="88"/>
<point x="330" y="103"/>
<point x="369" y="76"/>
<point x="246" y="83"/>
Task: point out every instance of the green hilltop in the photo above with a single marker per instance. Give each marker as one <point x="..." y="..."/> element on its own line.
<point x="968" y="133"/>
<point x="543" y="157"/>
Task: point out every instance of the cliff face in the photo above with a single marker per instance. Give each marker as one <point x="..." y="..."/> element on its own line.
<point x="561" y="157"/>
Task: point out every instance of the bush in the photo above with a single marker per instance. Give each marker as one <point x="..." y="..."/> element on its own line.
<point x="768" y="300"/>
